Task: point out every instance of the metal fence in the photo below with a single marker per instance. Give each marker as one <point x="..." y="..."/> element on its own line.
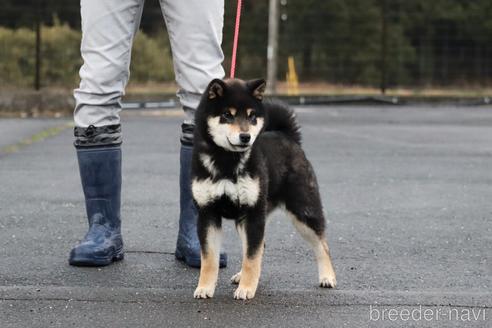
<point x="376" y="43"/>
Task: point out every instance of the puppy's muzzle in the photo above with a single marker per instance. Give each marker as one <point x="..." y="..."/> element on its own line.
<point x="244" y="138"/>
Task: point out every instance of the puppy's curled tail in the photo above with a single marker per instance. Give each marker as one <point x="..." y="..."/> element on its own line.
<point x="283" y="119"/>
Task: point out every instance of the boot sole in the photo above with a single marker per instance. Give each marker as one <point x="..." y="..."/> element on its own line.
<point x="96" y="262"/>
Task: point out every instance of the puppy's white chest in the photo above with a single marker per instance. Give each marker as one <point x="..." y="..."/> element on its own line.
<point x="245" y="191"/>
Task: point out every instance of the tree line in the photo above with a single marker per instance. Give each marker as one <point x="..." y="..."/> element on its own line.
<point x="403" y="42"/>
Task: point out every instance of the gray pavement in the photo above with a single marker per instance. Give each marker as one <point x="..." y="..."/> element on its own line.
<point x="407" y="193"/>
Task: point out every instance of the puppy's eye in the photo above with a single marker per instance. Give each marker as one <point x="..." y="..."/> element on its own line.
<point x="228" y="116"/>
<point x="252" y="116"/>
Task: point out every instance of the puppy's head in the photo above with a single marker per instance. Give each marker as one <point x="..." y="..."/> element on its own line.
<point x="234" y="113"/>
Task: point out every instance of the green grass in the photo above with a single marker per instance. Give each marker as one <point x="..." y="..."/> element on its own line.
<point x="38" y="137"/>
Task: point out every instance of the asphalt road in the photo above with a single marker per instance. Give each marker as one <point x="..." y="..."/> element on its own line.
<point x="407" y="192"/>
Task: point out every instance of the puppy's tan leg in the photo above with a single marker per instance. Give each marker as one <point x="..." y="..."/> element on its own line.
<point x="249" y="275"/>
<point x="326" y="272"/>
<point x="235" y="279"/>
<point x="209" y="269"/>
<point x="327" y="277"/>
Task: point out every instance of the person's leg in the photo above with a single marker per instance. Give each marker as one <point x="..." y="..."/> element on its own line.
<point x="108" y="28"/>
<point x="195" y="31"/>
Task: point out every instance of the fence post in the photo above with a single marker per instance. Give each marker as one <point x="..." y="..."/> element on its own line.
<point x="38" y="22"/>
<point x="384" y="45"/>
<point x="272" y="47"/>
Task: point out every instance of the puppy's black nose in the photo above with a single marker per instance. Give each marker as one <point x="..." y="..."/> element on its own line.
<point x="244" y="137"/>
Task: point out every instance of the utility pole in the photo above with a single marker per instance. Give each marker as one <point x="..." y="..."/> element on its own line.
<point x="384" y="46"/>
<point x="273" y="22"/>
<point x="38" y="22"/>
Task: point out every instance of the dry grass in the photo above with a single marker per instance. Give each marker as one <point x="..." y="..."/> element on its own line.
<point x="316" y="88"/>
<point x="151" y="88"/>
<point x="320" y="88"/>
<point x="431" y="91"/>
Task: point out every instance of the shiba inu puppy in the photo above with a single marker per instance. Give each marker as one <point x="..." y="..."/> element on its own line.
<point x="248" y="160"/>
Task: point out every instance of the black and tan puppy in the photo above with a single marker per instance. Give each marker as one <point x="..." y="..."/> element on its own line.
<point x="248" y="160"/>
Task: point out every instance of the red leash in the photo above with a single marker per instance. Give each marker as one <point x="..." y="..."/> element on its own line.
<point x="236" y="38"/>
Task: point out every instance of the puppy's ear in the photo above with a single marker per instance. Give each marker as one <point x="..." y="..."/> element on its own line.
<point x="257" y="88"/>
<point x="216" y="89"/>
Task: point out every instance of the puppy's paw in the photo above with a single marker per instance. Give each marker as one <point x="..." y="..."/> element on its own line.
<point x="244" y="293"/>
<point x="235" y="279"/>
<point x="328" y="282"/>
<point x="204" y="292"/>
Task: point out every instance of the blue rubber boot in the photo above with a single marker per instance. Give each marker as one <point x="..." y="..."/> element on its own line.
<point x="188" y="245"/>
<point x="100" y="172"/>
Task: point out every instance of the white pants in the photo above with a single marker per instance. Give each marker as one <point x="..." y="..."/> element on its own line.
<point x="108" y="28"/>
